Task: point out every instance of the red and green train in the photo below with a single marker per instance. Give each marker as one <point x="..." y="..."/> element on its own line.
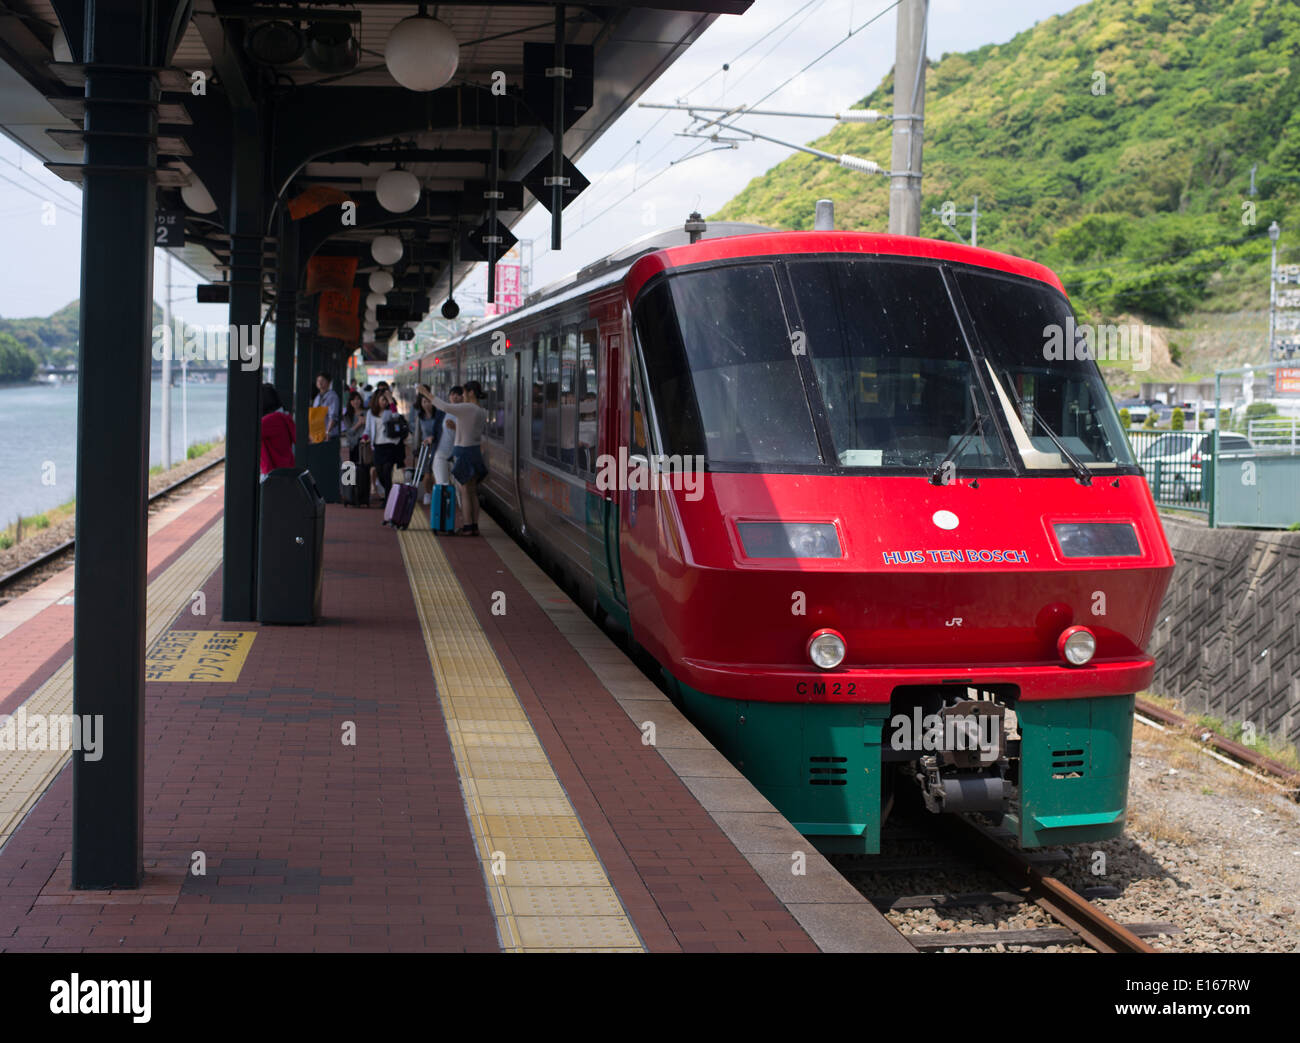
<point x="839" y="487"/>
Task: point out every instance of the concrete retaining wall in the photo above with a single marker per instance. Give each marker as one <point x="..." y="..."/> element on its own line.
<point x="1228" y="638"/>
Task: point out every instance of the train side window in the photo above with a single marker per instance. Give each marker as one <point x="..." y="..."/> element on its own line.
<point x="539" y="395"/>
<point x="587" y="399"/>
<point x="638" y="440"/>
<point x="551" y="426"/>
<point x="568" y="400"/>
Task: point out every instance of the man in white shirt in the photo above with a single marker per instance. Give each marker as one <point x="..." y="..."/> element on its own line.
<point x="326" y="396"/>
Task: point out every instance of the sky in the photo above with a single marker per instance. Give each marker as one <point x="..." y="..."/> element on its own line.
<point x="637" y="185"/>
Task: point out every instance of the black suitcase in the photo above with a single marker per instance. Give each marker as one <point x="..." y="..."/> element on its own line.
<point x="356" y="493"/>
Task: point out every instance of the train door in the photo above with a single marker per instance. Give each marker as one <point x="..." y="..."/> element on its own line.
<point x="515" y="412"/>
<point x="605" y="556"/>
<point x="638" y="543"/>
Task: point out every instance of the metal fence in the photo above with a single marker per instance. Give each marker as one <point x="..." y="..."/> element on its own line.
<point x="1179" y="466"/>
<point x="1275" y="434"/>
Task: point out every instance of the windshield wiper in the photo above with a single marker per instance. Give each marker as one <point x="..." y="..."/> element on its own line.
<point x="976" y="425"/>
<point x="1080" y="469"/>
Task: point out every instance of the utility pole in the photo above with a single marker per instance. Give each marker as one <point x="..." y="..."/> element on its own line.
<point x="909" y="118"/>
<point x="167" y="362"/>
<point x="1274" y="232"/>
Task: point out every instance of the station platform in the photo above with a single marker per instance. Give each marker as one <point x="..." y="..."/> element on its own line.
<point x="454" y="759"/>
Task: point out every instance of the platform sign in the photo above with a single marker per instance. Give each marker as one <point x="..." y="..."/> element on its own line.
<point x="169" y="228"/>
<point x="508" y="285"/>
<point x="185" y="656"/>
<point x="1286" y="381"/>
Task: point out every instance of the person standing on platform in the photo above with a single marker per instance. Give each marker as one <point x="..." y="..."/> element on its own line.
<point x="390" y="446"/>
<point x="354" y="426"/>
<point x="468" y="466"/>
<point x="326" y="396"/>
<point x="278" y="432"/>
<point x="445" y="446"/>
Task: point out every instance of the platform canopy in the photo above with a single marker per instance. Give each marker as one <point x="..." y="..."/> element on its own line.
<point x="332" y="118"/>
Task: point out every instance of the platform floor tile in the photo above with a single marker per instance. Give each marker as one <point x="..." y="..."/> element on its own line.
<point x="549" y="890"/>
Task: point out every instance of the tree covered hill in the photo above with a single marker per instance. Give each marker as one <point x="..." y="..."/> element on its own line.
<point x="53" y="339"/>
<point x="1114" y="143"/>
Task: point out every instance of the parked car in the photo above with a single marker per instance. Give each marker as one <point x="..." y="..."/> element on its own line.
<point x="1180" y="455"/>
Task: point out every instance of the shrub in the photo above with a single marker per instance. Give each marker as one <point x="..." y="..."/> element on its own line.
<point x="1125" y="419"/>
<point x="1176" y="420"/>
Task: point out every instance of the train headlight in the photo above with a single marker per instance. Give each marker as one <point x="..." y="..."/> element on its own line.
<point x="1097" y="539"/>
<point x="789" y="540"/>
<point x="1077" y="645"/>
<point x="826" y="649"/>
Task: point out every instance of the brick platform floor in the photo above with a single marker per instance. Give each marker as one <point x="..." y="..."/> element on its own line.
<point x="681" y="879"/>
<point x="311" y="844"/>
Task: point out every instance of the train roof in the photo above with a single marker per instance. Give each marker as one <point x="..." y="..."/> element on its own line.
<point x="671" y="248"/>
<point x="831" y="242"/>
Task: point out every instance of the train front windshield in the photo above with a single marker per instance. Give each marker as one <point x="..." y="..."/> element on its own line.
<point x="848" y="364"/>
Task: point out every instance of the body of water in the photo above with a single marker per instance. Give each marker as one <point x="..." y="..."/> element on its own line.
<point x="38" y="429"/>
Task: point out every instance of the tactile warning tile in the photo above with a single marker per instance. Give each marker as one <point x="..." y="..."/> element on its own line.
<point x="548" y="889"/>
<point x="25" y="774"/>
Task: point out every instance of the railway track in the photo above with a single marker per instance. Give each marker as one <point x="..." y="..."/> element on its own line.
<point x="964" y="846"/>
<point x="26" y="573"/>
<point x="1239" y="756"/>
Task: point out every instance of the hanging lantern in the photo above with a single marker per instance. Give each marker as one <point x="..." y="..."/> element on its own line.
<point x="397" y="190"/>
<point x="421" y="53"/>
<point x="386" y="249"/>
<point x="374" y="300"/>
<point x="381" y="281"/>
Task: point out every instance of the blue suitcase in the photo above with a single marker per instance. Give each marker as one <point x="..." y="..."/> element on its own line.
<point x="442" y="509"/>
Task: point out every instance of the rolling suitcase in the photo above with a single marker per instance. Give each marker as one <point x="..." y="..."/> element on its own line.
<point x="442" y="509"/>
<point x="357" y="492"/>
<point x="402" y="496"/>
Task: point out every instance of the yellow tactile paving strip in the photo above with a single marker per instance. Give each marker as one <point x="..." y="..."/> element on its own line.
<point x="25" y="774"/>
<point x="549" y="891"/>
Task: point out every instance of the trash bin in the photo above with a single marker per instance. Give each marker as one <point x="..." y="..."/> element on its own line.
<point x="290" y="547"/>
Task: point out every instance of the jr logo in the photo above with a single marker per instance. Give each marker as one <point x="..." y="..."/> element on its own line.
<point x="954" y="622"/>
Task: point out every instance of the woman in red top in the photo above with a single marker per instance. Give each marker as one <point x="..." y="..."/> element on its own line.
<point x="278" y="432"/>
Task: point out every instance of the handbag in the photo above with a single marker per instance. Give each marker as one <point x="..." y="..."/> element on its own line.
<point x="316" y="416"/>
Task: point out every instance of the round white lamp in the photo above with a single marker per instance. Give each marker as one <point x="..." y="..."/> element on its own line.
<point x="381" y="281"/>
<point x="386" y="249"/>
<point x="196" y="196"/>
<point x="373" y="300"/>
<point x="421" y="53"/>
<point x="397" y="190"/>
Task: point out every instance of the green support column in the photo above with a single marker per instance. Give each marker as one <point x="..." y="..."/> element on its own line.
<point x="243" y="393"/>
<point x="286" y="309"/>
<point x="121" y="43"/>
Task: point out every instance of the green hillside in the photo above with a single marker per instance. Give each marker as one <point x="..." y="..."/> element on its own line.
<point x="1135" y="195"/>
<point x="53" y="339"/>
